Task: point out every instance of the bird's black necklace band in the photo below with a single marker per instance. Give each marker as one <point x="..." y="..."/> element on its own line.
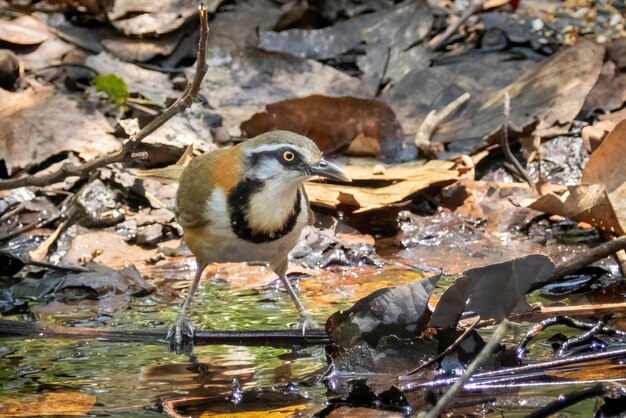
<point x="239" y="204"/>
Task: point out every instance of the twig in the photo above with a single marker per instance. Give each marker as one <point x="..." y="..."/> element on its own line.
<point x="504" y="142"/>
<point x="578" y="261"/>
<point x="562" y="320"/>
<point x="597" y="328"/>
<point x="497" y="336"/>
<point x="131" y="143"/>
<point x="274" y="338"/>
<point x="434" y="118"/>
<point x="527" y="371"/>
<point x="474" y="7"/>
<point x="568" y="400"/>
<point x="448" y="350"/>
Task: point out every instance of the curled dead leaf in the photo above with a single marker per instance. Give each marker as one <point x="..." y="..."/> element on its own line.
<point x="333" y="123"/>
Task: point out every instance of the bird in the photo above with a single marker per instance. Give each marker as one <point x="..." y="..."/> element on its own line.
<point x="247" y="203"/>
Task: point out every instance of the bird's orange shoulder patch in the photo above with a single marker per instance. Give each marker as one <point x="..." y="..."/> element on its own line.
<point x="228" y="169"/>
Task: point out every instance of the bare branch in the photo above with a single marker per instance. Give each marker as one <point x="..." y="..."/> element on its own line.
<point x="131" y="143"/>
<point x="504" y="142"/>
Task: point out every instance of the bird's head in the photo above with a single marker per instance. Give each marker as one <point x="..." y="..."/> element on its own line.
<point x="288" y="158"/>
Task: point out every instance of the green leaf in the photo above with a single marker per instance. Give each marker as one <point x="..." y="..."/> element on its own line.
<point x="113" y="86"/>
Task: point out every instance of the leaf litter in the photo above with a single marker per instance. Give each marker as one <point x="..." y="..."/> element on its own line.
<point x="360" y="78"/>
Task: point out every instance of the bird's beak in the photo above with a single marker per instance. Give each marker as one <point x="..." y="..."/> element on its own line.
<point x="329" y="170"/>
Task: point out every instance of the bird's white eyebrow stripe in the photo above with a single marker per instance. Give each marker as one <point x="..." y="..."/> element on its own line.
<point x="269" y="147"/>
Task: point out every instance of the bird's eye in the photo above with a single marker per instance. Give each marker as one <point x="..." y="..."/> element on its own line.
<point x="289" y="156"/>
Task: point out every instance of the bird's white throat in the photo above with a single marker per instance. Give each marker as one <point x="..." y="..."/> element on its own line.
<point x="270" y="208"/>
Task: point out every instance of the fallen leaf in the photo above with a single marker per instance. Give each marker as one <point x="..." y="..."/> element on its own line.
<point x="363" y="199"/>
<point x="400" y="311"/>
<point x="50" y="52"/>
<point x="385" y="32"/>
<point x="333" y="123"/>
<point x="243" y="84"/>
<point x="549" y="95"/>
<point x="601" y="200"/>
<point x="421" y="90"/>
<point x="586" y="202"/>
<point x="607" y="164"/>
<point x="153" y="85"/>
<point x="48" y="404"/>
<point x="609" y="92"/>
<point x="140" y="18"/>
<point x="492" y="292"/>
<point x="24" y="30"/>
<point x="368" y="169"/>
<point x="36" y="124"/>
<point x="141" y="49"/>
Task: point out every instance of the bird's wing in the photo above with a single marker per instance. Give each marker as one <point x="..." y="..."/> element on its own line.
<point x="196" y="186"/>
<point x="311" y="219"/>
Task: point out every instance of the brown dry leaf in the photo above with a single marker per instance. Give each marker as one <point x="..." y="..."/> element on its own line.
<point x="588" y="203"/>
<point x="368" y="169"/>
<point x="37" y="124"/>
<point x="153" y="85"/>
<point x="333" y="123"/>
<point x="48" y="404"/>
<point x="601" y="201"/>
<point x="25" y="30"/>
<point x="362" y="199"/>
<point x="607" y="165"/>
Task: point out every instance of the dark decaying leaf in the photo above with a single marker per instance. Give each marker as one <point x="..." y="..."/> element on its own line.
<point x="385" y="32"/>
<point x="421" y="90"/>
<point x="9" y="264"/>
<point x="493" y="291"/>
<point x="400" y="311"/>
<point x="333" y="123"/>
<point x="392" y="355"/>
<point x="100" y="281"/>
<point x="549" y="95"/>
<point x="546" y="97"/>
<point x="616" y="51"/>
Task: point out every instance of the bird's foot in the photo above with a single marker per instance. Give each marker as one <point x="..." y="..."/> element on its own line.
<point x="306" y="322"/>
<point x="180" y="335"/>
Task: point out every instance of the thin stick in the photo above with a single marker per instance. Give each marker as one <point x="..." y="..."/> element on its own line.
<point x="447" y="350"/>
<point x="578" y="261"/>
<point x="274" y="338"/>
<point x="474" y="7"/>
<point x="495" y="340"/>
<point x="131" y="143"/>
<point x="518" y="372"/>
<point x="434" y="118"/>
<point x="504" y="142"/>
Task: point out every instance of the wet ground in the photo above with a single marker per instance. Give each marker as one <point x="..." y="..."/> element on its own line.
<point x="132" y="379"/>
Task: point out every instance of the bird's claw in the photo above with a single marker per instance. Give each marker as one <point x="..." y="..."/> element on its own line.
<point x="306" y="322"/>
<point x="180" y="336"/>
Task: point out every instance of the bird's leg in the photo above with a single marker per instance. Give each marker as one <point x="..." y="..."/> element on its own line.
<point x="180" y="333"/>
<point x="306" y="320"/>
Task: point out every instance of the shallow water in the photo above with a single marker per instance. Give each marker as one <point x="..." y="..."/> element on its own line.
<point x="129" y="379"/>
